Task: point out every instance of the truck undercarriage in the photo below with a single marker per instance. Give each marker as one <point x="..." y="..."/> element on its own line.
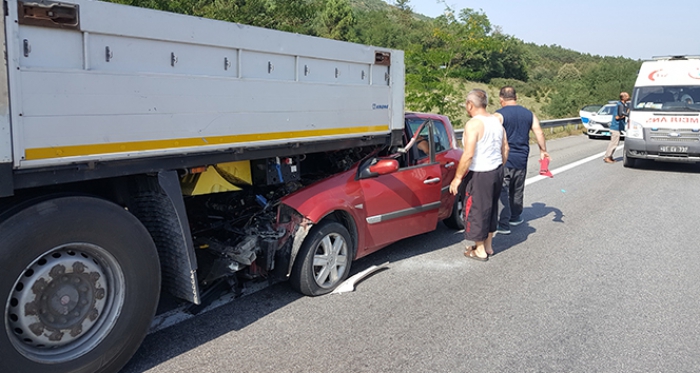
<point x="241" y="235"/>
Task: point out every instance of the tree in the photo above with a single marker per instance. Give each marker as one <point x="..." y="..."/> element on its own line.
<point x="295" y="15"/>
<point x="337" y="21"/>
<point x="403" y="5"/>
<point x="568" y="72"/>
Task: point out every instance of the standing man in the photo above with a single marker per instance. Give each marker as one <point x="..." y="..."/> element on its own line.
<point x="485" y="149"/>
<point x="518" y="122"/>
<point x="616" y="126"/>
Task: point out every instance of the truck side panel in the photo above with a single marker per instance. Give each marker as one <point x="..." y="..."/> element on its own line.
<point x="171" y="114"/>
<point x="110" y="92"/>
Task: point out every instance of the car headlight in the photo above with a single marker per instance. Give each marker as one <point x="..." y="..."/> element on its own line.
<point x="634" y="130"/>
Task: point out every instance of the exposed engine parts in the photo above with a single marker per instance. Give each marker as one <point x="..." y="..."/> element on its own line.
<point x="237" y="233"/>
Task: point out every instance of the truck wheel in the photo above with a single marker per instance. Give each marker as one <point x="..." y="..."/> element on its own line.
<point x="456" y="219"/>
<point x="324" y="260"/>
<point x="628" y="162"/>
<point x="80" y="284"/>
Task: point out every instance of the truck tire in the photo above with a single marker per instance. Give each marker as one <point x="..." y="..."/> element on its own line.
<point x="324" y="260"/>
<point x="79" y="282"/>
<point x="628" y="162"/>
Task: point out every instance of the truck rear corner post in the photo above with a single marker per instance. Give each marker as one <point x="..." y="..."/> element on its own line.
<point x="6" y="184"/>
<point x="135" y="159"/>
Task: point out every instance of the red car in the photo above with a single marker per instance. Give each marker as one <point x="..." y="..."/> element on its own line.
<point x="382" y="199"/>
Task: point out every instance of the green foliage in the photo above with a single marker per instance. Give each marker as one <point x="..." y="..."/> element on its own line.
<point x="428" y="88"/>
<point x="568" y="72"/>
<point x="287" y="15"/>
<point x="598" y="83"/>
<point x="337" y="21"/>
<point x="480" y="54"/>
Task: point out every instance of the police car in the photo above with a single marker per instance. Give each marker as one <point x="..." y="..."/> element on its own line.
<point x="598" y="124"/>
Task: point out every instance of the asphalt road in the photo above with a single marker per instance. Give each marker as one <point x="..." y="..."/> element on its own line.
<point x="602" y="277"/>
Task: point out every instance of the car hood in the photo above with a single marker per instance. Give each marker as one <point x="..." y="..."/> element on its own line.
<point x="601" y="118"/>
<point x="313" y="200"/>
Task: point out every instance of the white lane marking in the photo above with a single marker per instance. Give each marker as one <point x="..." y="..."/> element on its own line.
<point x="569" y="166"/>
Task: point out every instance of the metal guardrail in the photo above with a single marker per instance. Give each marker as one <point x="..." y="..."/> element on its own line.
<point x="551" y="124"/>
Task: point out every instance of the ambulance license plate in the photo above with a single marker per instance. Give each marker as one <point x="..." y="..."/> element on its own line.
<point x="673" y="149"/>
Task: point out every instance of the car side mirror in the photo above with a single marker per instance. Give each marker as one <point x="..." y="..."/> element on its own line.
<point x="375" y="167"/>
<point x="384" y="166"/>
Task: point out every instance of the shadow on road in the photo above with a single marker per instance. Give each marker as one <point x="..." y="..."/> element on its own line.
<point x="243" y="312"/>
<point x="520" y="233"/>
<point x="648" y="165"/>
<point x="171" y="342"/>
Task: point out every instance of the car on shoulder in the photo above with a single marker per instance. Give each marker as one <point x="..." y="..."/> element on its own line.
<point x="598" y="124"/>
<point x="587" y="111"/>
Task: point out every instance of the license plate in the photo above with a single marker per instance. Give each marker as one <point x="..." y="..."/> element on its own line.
<point x="606" y="133"/>
<point x="673" y="149"/>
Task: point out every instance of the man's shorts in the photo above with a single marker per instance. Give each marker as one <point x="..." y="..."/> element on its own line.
<point x="483" y="190"/>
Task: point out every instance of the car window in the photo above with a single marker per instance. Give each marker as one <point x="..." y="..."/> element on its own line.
<point x="442" y="140"/>
<point x="421" y="149"/>
<point x="414" y="124"/>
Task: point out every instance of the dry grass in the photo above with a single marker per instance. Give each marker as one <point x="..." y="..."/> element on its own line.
<point x="464" y="87"/>
<point x="559" y="132"/>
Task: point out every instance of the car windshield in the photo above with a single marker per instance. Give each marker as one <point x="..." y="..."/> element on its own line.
<point x="591" y="108"/>
<point x="667" y="98"/>
<point x="606" y="110"/>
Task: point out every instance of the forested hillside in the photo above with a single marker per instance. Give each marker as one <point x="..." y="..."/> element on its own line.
<point x="445" y="56"/>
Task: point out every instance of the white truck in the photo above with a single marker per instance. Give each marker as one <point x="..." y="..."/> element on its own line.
<point x="118" y="124"/>
<point x="664" y="119"/>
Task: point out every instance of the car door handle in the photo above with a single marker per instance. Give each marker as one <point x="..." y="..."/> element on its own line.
<point x="449" y="165"/>
<point x="432" y="181"/>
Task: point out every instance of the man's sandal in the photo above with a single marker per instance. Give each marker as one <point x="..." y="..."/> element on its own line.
<point x="471" y="254"/>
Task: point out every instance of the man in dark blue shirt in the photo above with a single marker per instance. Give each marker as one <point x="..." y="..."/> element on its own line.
<point x="518" y="122"/>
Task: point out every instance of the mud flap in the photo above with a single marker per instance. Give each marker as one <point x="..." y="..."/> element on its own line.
<point x="158" y="204"/>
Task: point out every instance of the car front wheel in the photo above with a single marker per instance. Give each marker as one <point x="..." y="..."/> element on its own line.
<point x="324" y="260"/>
<point x="456" y="219"/>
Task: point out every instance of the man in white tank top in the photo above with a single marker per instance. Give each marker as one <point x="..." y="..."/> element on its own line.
<point x="481" y="167"/>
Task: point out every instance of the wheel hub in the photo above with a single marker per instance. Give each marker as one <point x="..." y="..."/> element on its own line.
<point x="326" y="273"/>
<point x="57" y="299"/>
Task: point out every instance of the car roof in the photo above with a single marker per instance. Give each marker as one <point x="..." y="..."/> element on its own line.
<point x="425" y="115"/>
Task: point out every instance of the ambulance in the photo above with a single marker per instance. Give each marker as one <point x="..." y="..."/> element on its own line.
<point x="664" y="120"/>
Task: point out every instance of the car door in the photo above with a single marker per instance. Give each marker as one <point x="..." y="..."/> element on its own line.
<point x="448" y="158"/>
<point x="445" y="154"/>
<point x="401" y="204"/>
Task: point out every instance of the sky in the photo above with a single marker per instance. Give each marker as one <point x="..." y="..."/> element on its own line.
<point x="638" y="29"/>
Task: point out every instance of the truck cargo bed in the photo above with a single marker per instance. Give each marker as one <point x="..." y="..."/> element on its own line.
<point x="122" y="84"/>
